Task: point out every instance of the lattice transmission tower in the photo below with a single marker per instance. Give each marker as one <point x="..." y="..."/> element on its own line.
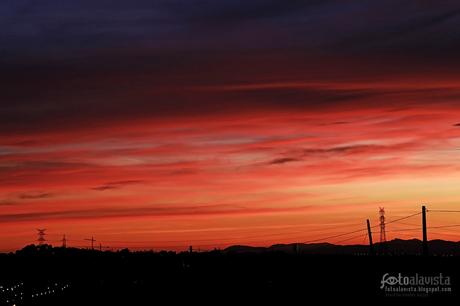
<point x="41" y="236"/>
<point x="383" y="235"/>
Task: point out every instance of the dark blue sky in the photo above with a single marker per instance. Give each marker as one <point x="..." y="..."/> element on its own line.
<point x="68" y="62"/>
<point x="69" y="29"/>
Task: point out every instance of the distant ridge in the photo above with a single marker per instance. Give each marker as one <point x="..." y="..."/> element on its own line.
<point x="396" y="247"/>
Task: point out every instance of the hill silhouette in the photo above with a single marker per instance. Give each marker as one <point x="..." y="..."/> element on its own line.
<point x="393" y="247"/>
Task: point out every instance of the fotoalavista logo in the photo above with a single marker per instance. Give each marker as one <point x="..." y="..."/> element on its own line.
<point x="414" y="280"/>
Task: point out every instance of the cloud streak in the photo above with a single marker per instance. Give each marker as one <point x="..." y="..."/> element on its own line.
<point x="34" y="196"/>
<point x="195" y="211"/>
<point x="116" y="185"/>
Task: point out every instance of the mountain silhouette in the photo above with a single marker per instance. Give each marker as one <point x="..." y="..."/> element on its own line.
<point x="393" y="247"/>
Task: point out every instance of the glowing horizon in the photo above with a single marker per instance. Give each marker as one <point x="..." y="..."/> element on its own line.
<point x="249" y="178"/>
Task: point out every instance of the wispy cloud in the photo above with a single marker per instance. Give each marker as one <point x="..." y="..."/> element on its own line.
<point x="35" y="195"/>
<point x="116" y="185"/>
<point x="285" y="160"/>
<point x="157" y="211"/>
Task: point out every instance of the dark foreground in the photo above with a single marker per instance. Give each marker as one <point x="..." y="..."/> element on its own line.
<point x="66" y="277"/>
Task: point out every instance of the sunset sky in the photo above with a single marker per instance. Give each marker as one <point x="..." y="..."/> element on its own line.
<point x="164" y="124"/>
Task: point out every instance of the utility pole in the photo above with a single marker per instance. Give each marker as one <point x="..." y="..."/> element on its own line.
<point x="41" y="236"/>
<point x="296" y="248"/>
<point x="425" y="236"/>
<point x="100" y="247"/>
<point x="64" y="242"/>
<point x="369" y="234"/>
<point x="92" y="242"/>
<point x="190" y="249"/>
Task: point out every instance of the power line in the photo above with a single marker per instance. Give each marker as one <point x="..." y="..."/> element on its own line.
<point x="351" y="238"/>
<point x="316" y="240"/>
<point x="365" y="238"/>
<point x="406" y="229"/>
<point x="249" y="237"/>
<point x="219" y="239"/>
<point x="419" y="228"/>
<point x="193" y="240"/>
<point x="335" y="236"/>
<point x="443" y="211"/>
<point x="357" y="231"/>
<point x="403" y="218"/>
<point x="186" y="242"/>
<point x="92" y="242"/>
<point x="397" y="220"/>
<point x="408" y="224"/>
<point x="445" y="226"/>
